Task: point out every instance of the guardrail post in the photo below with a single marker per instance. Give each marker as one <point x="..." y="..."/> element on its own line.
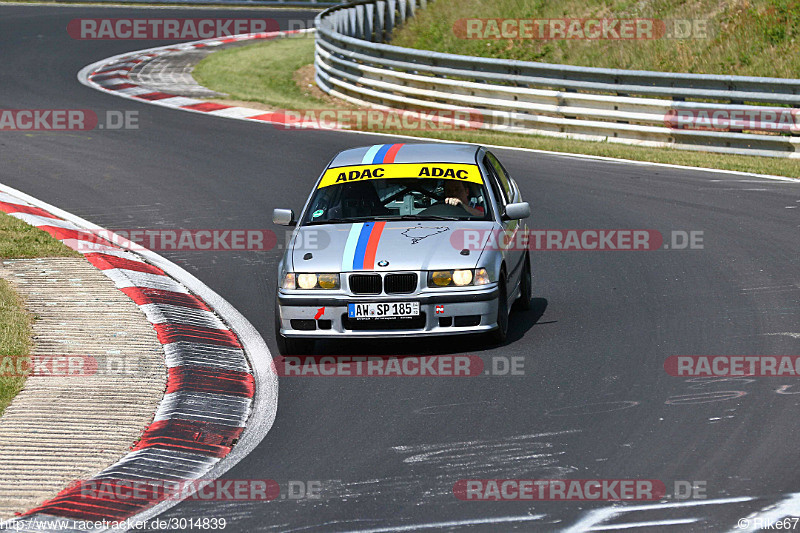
<point x="391" y="19"/>
<point x="412" y="6"/>
<point x="359" y="34"/>
<point x="402" y="6"/>
<point x="341" y="22"/>
<point x="380" y="32"/>
<point x="335" y="21"/>
<point x="351" y="30"/>
<point x="370" y="22"/>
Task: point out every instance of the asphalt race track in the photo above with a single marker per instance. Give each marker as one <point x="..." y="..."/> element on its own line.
<point x="595" y="401"/>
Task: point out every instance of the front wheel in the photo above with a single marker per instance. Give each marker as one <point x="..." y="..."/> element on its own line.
<point x="499" y="334"/>
<point x="523" y="303"/>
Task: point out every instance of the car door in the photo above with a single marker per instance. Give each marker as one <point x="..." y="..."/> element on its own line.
<point x="506" y="193"/>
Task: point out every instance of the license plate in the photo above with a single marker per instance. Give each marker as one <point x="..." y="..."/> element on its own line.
<point x="383" y="310"/>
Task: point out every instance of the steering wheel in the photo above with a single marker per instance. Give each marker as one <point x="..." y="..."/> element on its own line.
<point x="444" y="210"/>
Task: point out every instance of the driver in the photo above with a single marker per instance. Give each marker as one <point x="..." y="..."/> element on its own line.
<point x="459" y="193"/>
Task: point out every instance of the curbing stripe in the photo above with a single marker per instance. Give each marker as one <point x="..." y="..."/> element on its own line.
<point x="107" y="262"/>
<point x="154" y="96"/>
<point x="26" y="210"/>
<point x="168" y="333"/>
<point x="145" y="296"/>
<point x="197" y="437"/>
<point x="35" y="219"/>
<point x="192" y="353"/>
<point x="177" y="314"/>
<point x="209" y="380"/>
<point x="131" y="278"/>
<point x="203" y="406"/>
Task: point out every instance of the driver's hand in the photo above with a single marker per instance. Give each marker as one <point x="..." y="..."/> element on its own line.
<point x="452" y="201"/>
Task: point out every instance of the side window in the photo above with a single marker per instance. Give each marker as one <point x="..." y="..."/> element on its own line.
<point x="493" y="183"/>
<point x="500" y="172"/>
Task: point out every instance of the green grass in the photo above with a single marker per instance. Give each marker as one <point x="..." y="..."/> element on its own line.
<point x="264" y="73"/>
<point x="261" y="72"/>
<point x="15" y="340"/>
<point x="746" y="37"/>
<point x="19" y="240"/>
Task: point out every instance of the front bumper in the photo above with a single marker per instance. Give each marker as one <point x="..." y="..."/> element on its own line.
<point x="466" y="311"/>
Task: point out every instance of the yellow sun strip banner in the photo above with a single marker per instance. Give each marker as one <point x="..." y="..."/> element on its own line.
<point x="335" y="176"/>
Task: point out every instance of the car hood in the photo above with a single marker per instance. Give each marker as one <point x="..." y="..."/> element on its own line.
<point x="387" y="246"/>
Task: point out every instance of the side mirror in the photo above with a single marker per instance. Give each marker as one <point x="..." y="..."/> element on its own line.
<point x="517" y="211"/>
<point x="283" y="217"/>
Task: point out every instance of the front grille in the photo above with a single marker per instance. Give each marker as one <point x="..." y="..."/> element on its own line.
<point x="371" y="324"/>
<point x="400" y="283"/>
<point x="365" y="283"/>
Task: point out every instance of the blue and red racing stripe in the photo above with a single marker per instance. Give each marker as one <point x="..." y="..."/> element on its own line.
<point x="381" y="154"/>
<point x="361" y="246"/>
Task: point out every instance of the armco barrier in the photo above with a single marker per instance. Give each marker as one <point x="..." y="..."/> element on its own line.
<point x="626" y="106"/>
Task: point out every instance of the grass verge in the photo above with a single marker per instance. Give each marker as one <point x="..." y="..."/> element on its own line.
<point x="19" y="240"/>
<point x="263" y="72"/>
<point x="743" y="37"/>
<point x="15" y="339"/>
<point x="266" y="73"/>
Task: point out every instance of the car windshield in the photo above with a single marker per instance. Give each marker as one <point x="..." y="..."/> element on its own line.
<point x="398" y="199"/>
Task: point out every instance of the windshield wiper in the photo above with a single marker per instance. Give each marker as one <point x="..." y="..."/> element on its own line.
<point x="380" y="217"/>
<point x="344" y="220"/>
<point x="417" y="217"/>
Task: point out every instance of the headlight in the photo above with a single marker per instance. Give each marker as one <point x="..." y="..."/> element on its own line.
<point x="462" y="277"/>
<point x="329" y="281"/>
<point x="458" y="278"/>
<point x="308" y="281"/>
<point x="441" y="278"/>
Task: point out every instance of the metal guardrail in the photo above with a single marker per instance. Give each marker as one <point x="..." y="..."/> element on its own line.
<point x="626" y="106"/>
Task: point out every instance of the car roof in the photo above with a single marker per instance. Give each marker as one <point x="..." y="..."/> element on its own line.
<point x="407" y="153"/>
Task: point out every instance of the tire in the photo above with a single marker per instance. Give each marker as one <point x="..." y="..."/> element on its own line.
<point x="523" y="303"/>
<point x="499" y="334"/>
<point x="290" y="346"/>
